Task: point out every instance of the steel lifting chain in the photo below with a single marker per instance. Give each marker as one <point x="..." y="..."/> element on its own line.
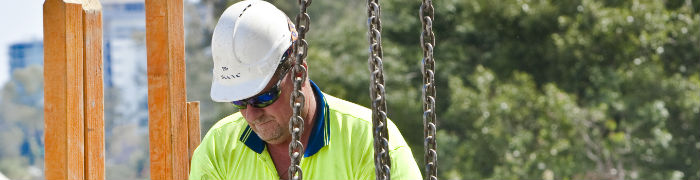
<point x="382" y="162"/>
<point x="296" y="122"/>
<point x="427" y="39"/>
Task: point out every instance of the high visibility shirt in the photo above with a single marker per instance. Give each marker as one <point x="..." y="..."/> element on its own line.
<point x="340" y="147"/>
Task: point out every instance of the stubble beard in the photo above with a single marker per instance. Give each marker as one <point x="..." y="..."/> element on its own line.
<point x="268" y="130"/>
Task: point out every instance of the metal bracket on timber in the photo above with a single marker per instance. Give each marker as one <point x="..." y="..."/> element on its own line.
<point x="73" y="96"/>
<point x="167" y="109"/>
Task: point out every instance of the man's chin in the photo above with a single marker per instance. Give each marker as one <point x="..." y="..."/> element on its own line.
<point x="277" y="140"/>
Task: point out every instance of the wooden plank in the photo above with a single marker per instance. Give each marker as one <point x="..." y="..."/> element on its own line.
<point x="158" y="111"/>
<point x="94" y="98"/>
<point x="176" y="29"/>
<point x="193" y="128"/>
<point x="166" y="89"/>
<point x="63" y="98"/>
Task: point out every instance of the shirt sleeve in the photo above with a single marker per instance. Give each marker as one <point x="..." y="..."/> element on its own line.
<point x="367" y="171"/>
<point x="403" y="165"/>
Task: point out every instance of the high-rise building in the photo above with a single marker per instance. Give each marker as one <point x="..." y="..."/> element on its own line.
<point x="23" y="54"/>
<point x="124" y="27"/>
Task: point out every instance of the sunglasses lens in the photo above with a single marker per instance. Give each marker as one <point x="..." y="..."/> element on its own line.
<point x="262" y="100"/>
<point x="266" y="99"/>
<point x="239" y="104"/>
<point x="259" y="101"/>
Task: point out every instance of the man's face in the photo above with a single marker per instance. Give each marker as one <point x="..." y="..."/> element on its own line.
<point x="271" y="123"/>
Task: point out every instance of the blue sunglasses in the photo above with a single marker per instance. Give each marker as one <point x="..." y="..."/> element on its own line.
<point x="269" y="97"/>
<point x="262" y="100"/>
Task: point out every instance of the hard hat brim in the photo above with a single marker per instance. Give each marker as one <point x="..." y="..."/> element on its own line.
<point x="221" y="92"/>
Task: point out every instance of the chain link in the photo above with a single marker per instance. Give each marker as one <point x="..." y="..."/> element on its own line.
<point x="427" y="39"/>
<point x="296" y="122"/>
<point x="382" y="162"/>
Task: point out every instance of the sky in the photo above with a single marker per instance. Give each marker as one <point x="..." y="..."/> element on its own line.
<point x="21" y="20"/>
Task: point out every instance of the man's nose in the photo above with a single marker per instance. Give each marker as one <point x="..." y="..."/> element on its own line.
<point x="253" y="112"/>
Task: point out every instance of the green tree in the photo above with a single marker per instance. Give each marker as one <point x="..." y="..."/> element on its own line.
<point x="21" y="124"/>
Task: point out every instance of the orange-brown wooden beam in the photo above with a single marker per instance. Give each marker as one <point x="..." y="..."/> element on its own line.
<point x="94" y="91"/>
<point x="166" y="89"/>
<point x="63" y="98"/>
<point x="73" y="97"/>
<point x="193" y="128"/>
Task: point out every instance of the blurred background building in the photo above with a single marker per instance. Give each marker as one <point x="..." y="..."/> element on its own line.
<point x="23" y="54"/>
<point x="124" y="25"/>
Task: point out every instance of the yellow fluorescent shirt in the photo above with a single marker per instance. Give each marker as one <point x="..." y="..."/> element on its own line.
<point x="340" y="147"/>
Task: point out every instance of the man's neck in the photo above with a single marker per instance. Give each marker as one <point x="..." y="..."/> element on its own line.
<point x="309" y="113"/>
<point x="280" y="152"/>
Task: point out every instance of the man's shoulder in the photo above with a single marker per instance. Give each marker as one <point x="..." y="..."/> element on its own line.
<point x="223" y="135"/>
<point x="227" y="126"/>
<point x="235" y="119"/>
<point x="356" y="120"/>
<point x="220" y="148"/>
<point x="362" y="118"/>
<point x="337" y="105"/>
<point x="340" y="106"/>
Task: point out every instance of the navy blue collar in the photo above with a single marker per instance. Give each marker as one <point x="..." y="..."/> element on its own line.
<point x="320" y="134"/>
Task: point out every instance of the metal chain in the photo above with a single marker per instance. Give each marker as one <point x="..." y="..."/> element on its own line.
<point x="382" y="162"/>
<point x="427" y="39"/>
<point x="296" y="122"/>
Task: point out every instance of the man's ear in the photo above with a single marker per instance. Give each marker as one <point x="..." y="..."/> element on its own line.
<point x="303" y="64"/>
<point x="299" y="74"/>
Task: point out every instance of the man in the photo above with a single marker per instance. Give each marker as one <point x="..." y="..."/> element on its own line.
<point x="251" y="48"/>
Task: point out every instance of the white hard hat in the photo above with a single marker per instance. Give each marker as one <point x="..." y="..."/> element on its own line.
<point x="247" y="46"/>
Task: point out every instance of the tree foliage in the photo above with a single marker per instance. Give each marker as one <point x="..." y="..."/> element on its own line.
<point x="21" y="124"/>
